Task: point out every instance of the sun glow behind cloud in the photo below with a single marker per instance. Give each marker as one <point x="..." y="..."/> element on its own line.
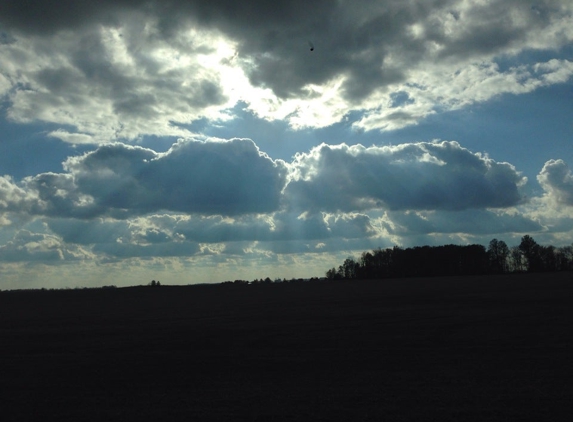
<point x="143" y="83"/>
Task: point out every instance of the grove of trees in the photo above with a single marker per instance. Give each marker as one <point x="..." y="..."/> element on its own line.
<point x="423" y="261"/>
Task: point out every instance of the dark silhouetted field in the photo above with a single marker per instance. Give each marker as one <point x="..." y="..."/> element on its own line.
<point x="481" y="349"/>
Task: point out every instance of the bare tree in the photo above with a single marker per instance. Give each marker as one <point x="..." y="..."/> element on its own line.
<point x="516" y="259"/>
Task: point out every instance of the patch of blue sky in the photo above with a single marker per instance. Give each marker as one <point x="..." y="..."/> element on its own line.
<point x="509" y="61"/>
<point x="26" y="149"/>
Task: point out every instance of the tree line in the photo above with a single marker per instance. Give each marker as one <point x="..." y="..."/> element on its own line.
<point x="446" y="260"/>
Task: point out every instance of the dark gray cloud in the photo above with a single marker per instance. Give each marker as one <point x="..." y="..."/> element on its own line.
<point x="45" y="16"/>
<point x="57" y="194"/>
<point x="193" y="177"/>
<point x="87" y="232"/>
<point x="421" y="176"/>
<point x="354" y="39"/>
<point x="556" y="179"/>
<point x="117" y="180"/>
<point x="373" y="43"/>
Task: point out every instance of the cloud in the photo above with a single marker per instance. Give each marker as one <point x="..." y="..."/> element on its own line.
<point x="42" y="17"/>
<point x="556" y="179"/>
<point x="472" y="222"/>
<point x="37" y="247"/>
<point x="57" y="194"/>
<point x="279" y="226"/>
<point x="116" y="82"/>
<point x="14" y="197"/>
<point x="227" y="180"/>
<point x="420" y="176"/>
<point x="140" y="237"/>
<point x="177" y="228"/>
<point x="165" y="249"/>
<point x="213" y="177"/>
<point x="130" y="68"/>
<point x="87" y="232"/>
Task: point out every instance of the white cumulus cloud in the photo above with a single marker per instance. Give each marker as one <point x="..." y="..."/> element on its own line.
<point x="556" y="179"/>
<point x="420" y="176"/>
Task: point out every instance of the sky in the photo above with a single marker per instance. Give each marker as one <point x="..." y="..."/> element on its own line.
<point x="194" y="141"/>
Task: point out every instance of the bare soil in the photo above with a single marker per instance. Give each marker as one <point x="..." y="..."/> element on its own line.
<point x="496" y="348"/>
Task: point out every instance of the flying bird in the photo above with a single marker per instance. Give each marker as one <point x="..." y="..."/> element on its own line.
<point x="311" y="46"/>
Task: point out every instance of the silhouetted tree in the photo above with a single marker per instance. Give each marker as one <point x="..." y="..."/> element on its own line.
<point x="398" y="262"/>
<point x="366" y="266"/>
<point x="531" y="252"/>
<point x="516" y="259"/>
<point x="417" y="261"/>
<point x="332" y="274"/>
<point x="547" y="259"/>
<point x="564" y="258"/>
<point x="349" y="268"/>
<point x="424" y="261"/>
<point x="240" y="282"/>
<point x="497" y="256"/>
<point x="474" y="259"/>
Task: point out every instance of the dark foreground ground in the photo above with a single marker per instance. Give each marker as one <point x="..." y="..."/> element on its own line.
<point x="495" y="348"/>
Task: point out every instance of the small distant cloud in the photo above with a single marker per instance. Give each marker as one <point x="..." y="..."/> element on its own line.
<point x="73" y="138"/>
